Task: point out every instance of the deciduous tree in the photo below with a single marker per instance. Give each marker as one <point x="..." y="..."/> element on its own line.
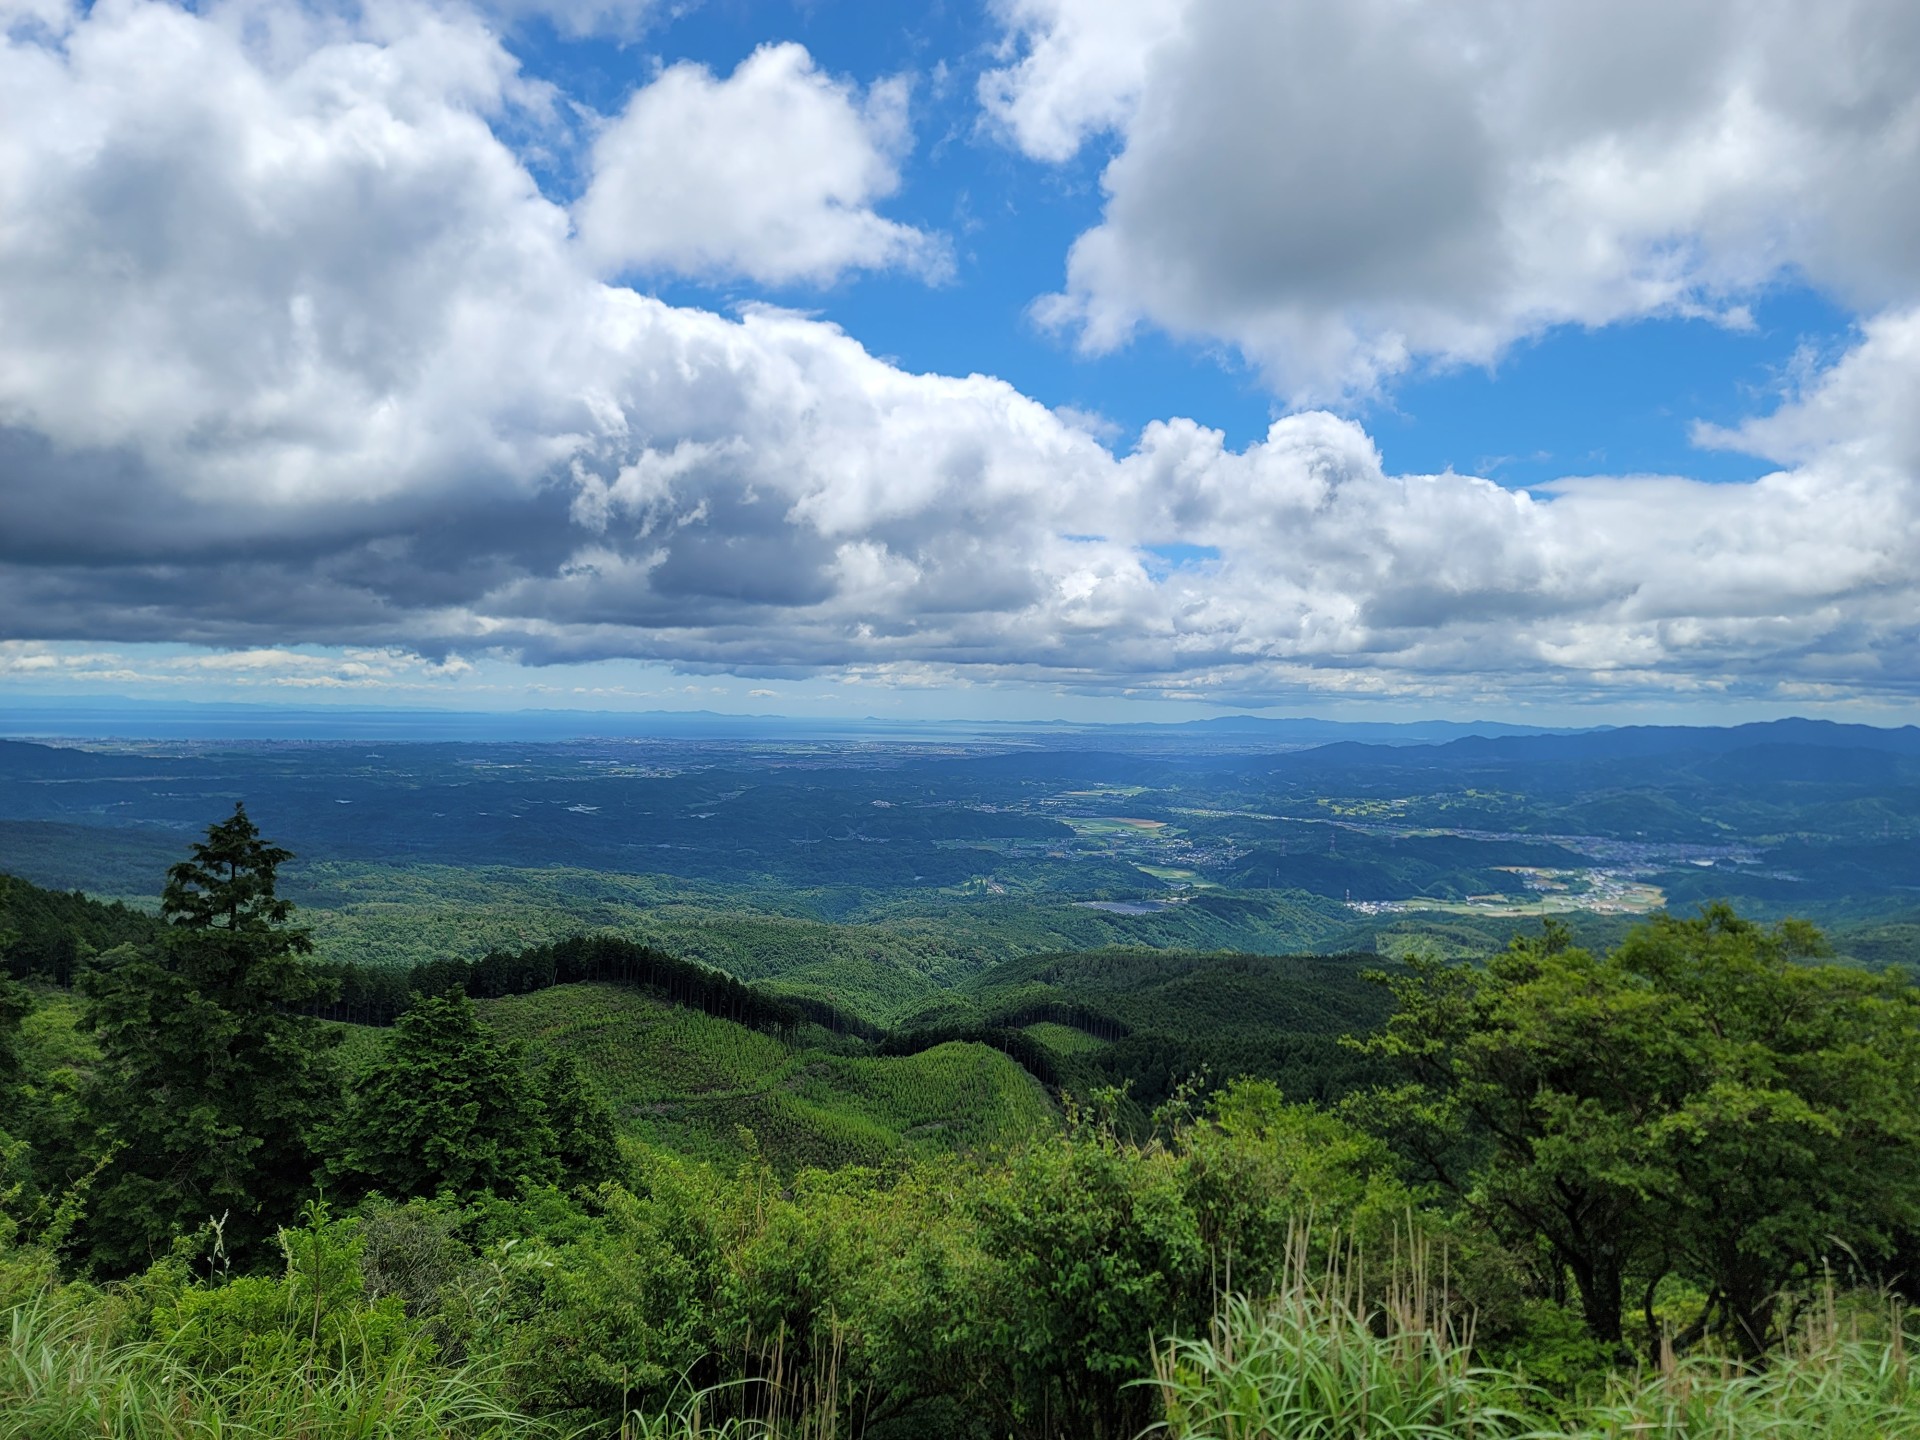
<point x="1703" y="1101"/>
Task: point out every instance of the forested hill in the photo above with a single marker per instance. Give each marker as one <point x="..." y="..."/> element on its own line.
<point x="1143" y="1020"/>
<point x="1770" y="750"/>
<point x="47" y="932"/>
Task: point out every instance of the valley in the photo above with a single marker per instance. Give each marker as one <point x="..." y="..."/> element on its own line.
<point x="889" y="866"/>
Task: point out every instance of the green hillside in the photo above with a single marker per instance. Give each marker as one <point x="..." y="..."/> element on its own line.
<point x="1190" y="993"/>
<point x="1064" y="1039"/>
<point x="1139" y="1017"/>
<point x="880" y="955"/>
<point x="693" y="1083"/>
<point x="1146" y="1021"/>
<point x="1151" y="1019"/>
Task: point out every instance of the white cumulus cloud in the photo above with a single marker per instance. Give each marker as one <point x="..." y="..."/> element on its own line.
<point x="1342" y="191"/>
<point x="1080" y="68"/>
<point x="294" y="352"/>
<point x="623" y="19"/>
<point x="770" y="174"/>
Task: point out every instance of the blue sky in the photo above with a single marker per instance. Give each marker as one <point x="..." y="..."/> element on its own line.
<point x="1571" y="401"/>
<point x="1354" y="360"/>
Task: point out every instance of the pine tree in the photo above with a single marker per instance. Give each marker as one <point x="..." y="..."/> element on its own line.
<point x="211" y="1087"/>
<point x="15" y="1003"/>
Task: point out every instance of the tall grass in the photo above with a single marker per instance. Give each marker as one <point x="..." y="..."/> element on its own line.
<point x="58" y="1379"/>
<point x="61" y="1380"/>
<point x="1837" y="1378"/>
<point x="781" y="1400"/>
<point x="1323" y="1359"/>
<point x="1329" y="1355"/>
<point x="701" y="1417"/>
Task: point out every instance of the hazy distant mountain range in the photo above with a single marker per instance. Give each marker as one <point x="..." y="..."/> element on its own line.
<point x="108" y="717"/>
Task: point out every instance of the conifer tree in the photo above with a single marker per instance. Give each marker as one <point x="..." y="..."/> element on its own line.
<point x="585" y="1148"/>
<point x="448" y="1108"/>
<point x="14" y="1005"/>
<point x="15" y="1158"/>
<point x="211" y="1086"/>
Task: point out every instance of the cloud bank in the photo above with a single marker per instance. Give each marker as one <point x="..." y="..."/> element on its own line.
<point x="1345" y="191"/>
<point x="294" y="351"/>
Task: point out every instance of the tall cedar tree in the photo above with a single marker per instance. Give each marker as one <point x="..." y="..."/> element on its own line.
<point x="585" y="1150"/>
<point x="450" y="1108"/>
<point x="210" y="1089"/>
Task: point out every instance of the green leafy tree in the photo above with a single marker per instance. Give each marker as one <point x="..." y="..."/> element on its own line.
<point x="1521" y="1079"/>
<point x="1700" y="1102"/>
<point x="1099" y="1250"/>
<point x="211" y="1086"/>
<point x="447" y="1108"/>
<point x="1797" y="1144"/>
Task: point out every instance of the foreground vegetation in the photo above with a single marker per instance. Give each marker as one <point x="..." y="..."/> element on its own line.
<point x="1672" y="1189"/>
<point x="938" y="1301"/>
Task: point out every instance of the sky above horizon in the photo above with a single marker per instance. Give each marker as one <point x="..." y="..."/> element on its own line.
<point x="999" y="359"/>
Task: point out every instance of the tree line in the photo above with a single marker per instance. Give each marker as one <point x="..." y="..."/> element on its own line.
<point x="365" y="995"/>
<point x="50" y="933"/>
